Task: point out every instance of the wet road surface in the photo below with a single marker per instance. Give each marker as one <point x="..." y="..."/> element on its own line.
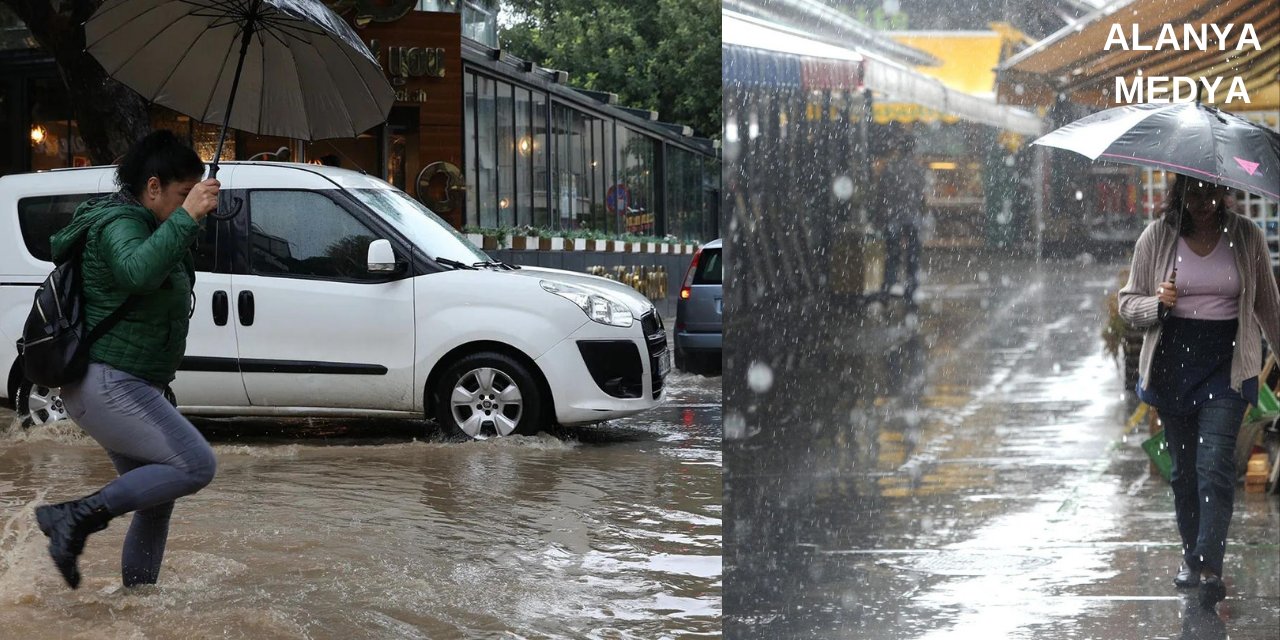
<point x="340" y="529"/>
<point x="964" y="473"/>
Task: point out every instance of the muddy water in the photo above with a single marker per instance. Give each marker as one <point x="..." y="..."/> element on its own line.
<point x="372" y="530"/>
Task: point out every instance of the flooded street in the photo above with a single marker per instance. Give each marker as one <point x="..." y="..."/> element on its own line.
<point x="970" y="477"/>
<point x="332" y="529"/>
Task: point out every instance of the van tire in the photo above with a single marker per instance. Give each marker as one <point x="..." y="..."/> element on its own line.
<point x="493" y="410"/>
<point x="50" y="409"/>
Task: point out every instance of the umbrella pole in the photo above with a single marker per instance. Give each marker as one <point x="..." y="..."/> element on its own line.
<point x="245" y="38"/>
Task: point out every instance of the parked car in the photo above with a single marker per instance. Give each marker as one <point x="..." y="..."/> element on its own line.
<point x="331" y="293"/>
<point x="699" y="325"/>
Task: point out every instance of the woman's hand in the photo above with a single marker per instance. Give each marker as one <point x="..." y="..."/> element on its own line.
<point x="202" y="199"/>
<point x="1168" y="294"/>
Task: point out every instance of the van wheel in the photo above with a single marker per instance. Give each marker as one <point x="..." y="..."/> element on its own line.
<point x="37" y="405"/>
<point x="487" y="395"/>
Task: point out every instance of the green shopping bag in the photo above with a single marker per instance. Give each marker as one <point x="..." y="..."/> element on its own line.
<point x="1158" y="450"/>
<point x="1268" y="407"/>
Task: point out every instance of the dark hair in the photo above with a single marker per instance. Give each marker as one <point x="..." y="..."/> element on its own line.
<point x="331" y="160"/>
<point x="161" y="154"/>
<point x="1175" y="201"/>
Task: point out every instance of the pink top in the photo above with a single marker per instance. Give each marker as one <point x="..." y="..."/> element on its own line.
<point x="1209" y="286"/>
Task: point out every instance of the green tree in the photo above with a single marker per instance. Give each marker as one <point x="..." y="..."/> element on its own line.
<point x="110" y="116"/>
<point x="663" y="56"/>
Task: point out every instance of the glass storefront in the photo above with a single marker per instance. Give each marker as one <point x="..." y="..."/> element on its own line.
<point x="635" y="178"/>
<point x="547" y="164"/>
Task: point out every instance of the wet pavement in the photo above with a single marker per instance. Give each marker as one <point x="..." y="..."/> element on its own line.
<point x="960" y="472"/>
<point x="342" y="529"/>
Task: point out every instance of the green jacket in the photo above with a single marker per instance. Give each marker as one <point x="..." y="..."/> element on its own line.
<point x="129" y="252"/>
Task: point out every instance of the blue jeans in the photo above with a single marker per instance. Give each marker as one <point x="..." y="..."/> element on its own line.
<point x="159" y="455"/>
<point x="1203" y="447"/>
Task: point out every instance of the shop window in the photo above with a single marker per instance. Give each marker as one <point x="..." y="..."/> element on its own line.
<point x="204" y="139"/>
<point x="472" y="167"/>
<point x="55" y="138"/>
<point x="361" y="153"/>
<point x="601" y="171"/>
<point x="542" y="196"/>
<point x="506" y="154"/>
<point x="523" y="142"/>
<point x="403" y="146"/>
<point x="635" y="169"/>
<point x="263" y="148"/>
<point x="9" y="161"/>
<point x="486" y="151"/>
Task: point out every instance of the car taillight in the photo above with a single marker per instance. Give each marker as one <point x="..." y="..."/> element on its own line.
<point x="686" y="289"/>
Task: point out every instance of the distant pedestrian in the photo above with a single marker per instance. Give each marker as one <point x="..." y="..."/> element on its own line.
<point x="901" y="203"/>
<point x="1201" y="356"/>
<point x="136" y="248"/>
<point x="330" y="160"/>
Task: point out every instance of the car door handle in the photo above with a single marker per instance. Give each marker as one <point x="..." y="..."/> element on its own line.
<point x="220" y="308"/>
<point x="245" y="308"/>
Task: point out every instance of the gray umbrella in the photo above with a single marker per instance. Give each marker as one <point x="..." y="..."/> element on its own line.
<point x="286" y="68"/>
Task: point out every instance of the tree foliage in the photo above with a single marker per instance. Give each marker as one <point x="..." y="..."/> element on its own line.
<point x="662" y="55"/>
<point x="110" y="116"/>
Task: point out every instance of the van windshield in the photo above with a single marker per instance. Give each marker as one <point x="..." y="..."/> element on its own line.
<point x="422" y="226"/>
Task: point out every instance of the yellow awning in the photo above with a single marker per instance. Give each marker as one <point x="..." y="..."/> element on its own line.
<point x="969" y="58"/>
<point x="1075" y="59"/>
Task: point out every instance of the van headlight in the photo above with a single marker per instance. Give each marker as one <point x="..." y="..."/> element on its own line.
<point x="597" y="307"/>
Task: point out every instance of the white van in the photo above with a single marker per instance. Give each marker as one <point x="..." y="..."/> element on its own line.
<point x="330" y="293"/>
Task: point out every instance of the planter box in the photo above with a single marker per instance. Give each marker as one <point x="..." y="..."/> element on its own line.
<point x="575" y="244"/>
<point x="491" y="243"/>
<point x="688" y="249"/>
<point x="651" y="247"/>
<point x="597" y="245"/>
<point x="636" y="247"/>
<point x="476" y="239"/>
<point x="524" y="243"/>
<point x="664" y="248"/>
<point x="551" y="244"/>
<point x="617" y="246"/>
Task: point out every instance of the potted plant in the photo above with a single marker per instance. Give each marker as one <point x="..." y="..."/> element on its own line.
<point x="550" y="240"/>
<point x="495" y="238"/>
<point x="524" y="238"/>
<point x="597" y="241"/>
<point x="573" y="240"/>
<point x="474" y="235"/>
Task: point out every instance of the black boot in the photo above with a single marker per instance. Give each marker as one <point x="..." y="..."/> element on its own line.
<point x="68" y="525"/>
<point x="1212" y="591"/>
<point x="1187" y="577"/>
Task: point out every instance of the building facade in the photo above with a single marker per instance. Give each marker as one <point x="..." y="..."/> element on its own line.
<point x="486" y="140"/>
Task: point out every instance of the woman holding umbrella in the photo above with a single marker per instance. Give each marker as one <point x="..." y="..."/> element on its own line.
<point x="136" y="252"/>
<point x="1202" y="287"/>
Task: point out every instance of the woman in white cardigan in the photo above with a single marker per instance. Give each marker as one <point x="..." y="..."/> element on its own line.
<point x="1202" y="287"/>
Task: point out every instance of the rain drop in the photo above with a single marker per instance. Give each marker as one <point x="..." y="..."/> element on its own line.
<point x="735" y="426"/>
<point x="842" y="188"/>
<point x="760" y="377"/>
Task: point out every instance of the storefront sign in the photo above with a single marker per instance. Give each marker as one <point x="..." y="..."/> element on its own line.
<point x="402" y="63"/>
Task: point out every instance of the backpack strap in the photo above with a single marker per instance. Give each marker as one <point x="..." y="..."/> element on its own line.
<point x="110" y="321"/>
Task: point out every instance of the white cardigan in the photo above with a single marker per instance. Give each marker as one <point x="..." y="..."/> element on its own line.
<point x="1259" y="300"/>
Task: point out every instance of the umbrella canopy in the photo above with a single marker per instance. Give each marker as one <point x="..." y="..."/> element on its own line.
<point x="291" y="68"/>
<point x="1186" y="137"/>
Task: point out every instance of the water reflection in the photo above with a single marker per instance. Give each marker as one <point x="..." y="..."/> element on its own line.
<point x="344" y="529"/>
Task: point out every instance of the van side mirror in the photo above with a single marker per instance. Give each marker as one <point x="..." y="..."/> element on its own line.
<point x="382" y="259"/>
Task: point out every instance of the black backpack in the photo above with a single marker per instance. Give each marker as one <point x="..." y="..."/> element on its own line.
<point x="54" y="345"/>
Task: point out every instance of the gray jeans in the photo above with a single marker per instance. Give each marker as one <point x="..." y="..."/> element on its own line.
<point x="160" y="457"/>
